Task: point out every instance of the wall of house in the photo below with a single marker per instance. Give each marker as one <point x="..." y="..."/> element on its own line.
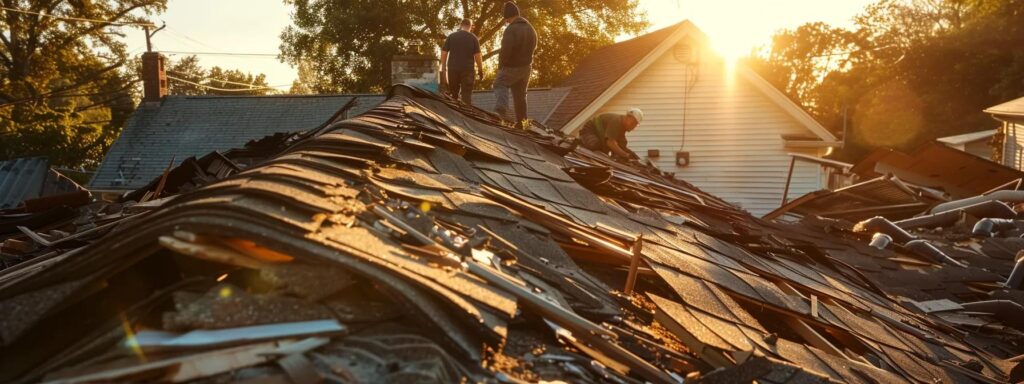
<point x="1013" y="150"/>
<point x="732" y="132"/>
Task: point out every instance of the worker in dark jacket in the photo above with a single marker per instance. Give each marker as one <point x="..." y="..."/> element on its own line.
<point x="514" y="63"/>
<point x="606" y="133"/>
<point x="460" y="50"/>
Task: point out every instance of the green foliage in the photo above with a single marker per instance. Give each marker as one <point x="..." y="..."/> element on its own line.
<point x="347" y="45"/>
<point x="908" y="72"/>
<point x="215" y="81"/>
<point x="63" y="134"/>
<point x="63" y="90"/>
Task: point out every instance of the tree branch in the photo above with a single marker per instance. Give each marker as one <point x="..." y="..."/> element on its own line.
<point x="115" y="17"/>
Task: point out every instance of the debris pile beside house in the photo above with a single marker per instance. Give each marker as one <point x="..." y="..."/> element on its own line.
<point x="425" y="241"/>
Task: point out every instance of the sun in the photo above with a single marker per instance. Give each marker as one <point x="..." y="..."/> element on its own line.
<point x="730" y="49"/>
<point x="732" y="35"/>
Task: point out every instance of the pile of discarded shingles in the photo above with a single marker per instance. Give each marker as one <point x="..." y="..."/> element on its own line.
<point x="424" y="242"/>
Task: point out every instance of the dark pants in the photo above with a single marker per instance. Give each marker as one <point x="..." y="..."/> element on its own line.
<point x="590" y="140"/>
<point x="516" y="79"/>
<point x="461" y="83"/>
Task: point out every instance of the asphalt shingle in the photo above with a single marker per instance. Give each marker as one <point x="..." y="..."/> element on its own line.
<point x="184" y="126"/>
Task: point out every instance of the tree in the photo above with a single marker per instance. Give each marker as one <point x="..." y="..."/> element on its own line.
<point x="910" y="70"/>
<point x="188" y="77"/>
<point x="798" y="60"/>
<point x="349" y="44"/>
<point x="64" y="91"/>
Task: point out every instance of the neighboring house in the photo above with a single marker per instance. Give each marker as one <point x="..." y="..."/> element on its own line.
<point x="1011" y="114"/>
<point x="723" y="129"/>
<point x="976" y="143"/>
<point x="166" y="127"/>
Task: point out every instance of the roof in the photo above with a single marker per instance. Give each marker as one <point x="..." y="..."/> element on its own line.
<point x="602" y="68"/>
<point x="184" y="126"/>
<point x="1012" y="108"/>
<point x="608" y="70"/>
<point x="935" y="165"/>
<point x="29" y="178"/>
<point x="540" y="103"/>
<point x="21" y="179"/>
<point x="519" y="263"/>
<point x="883" y="196"/>
<point x="967" y="137"/>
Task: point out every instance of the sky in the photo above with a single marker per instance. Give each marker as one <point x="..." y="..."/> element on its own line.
<point x="254" y="26"/>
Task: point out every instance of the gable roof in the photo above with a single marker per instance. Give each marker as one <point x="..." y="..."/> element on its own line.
<point x="1011" y="109"/>
<point x="185" y="126"/>
<point x="598" y="71"/>
<point x="608" y="70"/>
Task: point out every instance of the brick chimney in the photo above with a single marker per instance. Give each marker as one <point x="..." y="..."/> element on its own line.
<point x="154" y="77"/>
<point x="417" y="70"/>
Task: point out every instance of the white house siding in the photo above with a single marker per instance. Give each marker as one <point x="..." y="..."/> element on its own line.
<point x="732" y="133"/>
<point x="1013" y="150"/>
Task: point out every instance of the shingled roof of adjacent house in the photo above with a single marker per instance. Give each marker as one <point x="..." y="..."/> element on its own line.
<point x="183" y="126"/>
<point x="603" y="68"/>
<point x="29" y="178"/>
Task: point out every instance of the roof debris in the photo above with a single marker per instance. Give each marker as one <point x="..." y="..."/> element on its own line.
<point x="426" y="241"/>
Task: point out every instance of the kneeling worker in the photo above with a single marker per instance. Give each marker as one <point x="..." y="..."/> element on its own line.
<point x="607" y="133"/>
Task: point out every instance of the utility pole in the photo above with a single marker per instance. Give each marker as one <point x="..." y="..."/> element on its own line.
<point x="149" y="36"/>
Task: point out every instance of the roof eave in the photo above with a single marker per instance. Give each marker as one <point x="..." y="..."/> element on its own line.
<point x="685" y="28"/>
<point x="1005" y="117"/>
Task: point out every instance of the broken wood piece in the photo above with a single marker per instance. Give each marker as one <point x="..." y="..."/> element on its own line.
<point x="19" y="246"/>
<point x="46" y="243"/>
<point x="163" y="181"/>
<point x="634" y="264"/>
<point x="210" y="252"/>
<point x="814" y="306"/>
<point x="252" y="249"/>
<point x="35" y="236"/>
<point x="70" y="199"/>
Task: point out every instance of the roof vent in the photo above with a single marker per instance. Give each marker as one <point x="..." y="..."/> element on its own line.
<point x="685" y="53"/>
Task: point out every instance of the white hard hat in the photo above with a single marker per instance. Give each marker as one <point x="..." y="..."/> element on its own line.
<point x="636" y="113"/>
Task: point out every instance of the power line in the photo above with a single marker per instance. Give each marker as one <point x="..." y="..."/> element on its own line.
<point x="250" y="85"/>
<point x="223" y="89"/>
<point x="58" y="95"/>
<point x="187" y="37"/>
<point x="274" y="55"/>
<point x="68" y="18"/>
<point x="852" y="51"/>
